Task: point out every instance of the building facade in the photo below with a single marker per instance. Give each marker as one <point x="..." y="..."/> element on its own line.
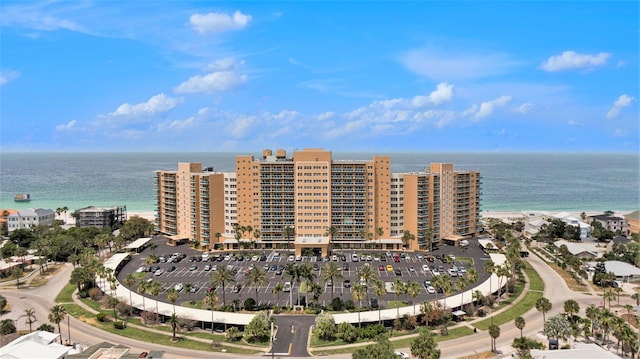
<point x="611" y="222"/>
<point x="310" y="201"/>
<point x="100" y="217"/>
<point x="31" y="217"/>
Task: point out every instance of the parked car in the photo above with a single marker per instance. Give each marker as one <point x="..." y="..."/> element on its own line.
<point x="398" y="272"/>
<point x="347" y="283"/>
<point x="207" y="267"/>
<point x="401" y="355"/>
<point x="431" y="290"/>
<point x="141" y="270"/>
<point x="287" y="287"/>
<point x="171" y="269"/>
<point x="158" y="272"/>
<point x="194" y="289"/>
<point x="179" y="287"/>
<point x="193" y="267"/>
<point x="373" y="303"/>
<point x="425" y="267"/>
<point x="381" y="268"/>
<point x="389" y="268"/>
<point x="237" y="288"/>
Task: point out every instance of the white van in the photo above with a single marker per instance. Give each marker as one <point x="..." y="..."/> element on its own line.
<point x="205" y="256"/>
<point x="354" y="257"/>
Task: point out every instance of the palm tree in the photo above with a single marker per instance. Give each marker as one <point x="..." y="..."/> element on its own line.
<point x="17" y="274"/>
<point x="478" y="297"/>
<point x="130" y="281"/>
<point x="636" y="297"/>
<point x="520" y="323"/>
<point x="592" y="313"/>
<point x="413" y="289"/>
<point x="368" y="275"/>
<point x="174" y="321"/>
<point x="358" y="294"/>
<point x="557" y="327"/>
<point x="155" y="288"/>
<point x="288" y="232"/>
<point x="398" y="287"/>
<point x="210" y="299"/>
<point x="292" y="271"/>
<point x="379" y="290"/>
<point x="461" y="285"/>
<point x="543" y="305"/>
<point x="406" y="238"/>
<point x="472" y="275"/>
<point x="172" y="295"/>
<point x="629" y="309"/>
<point x="571" y="307"/>
<point x="248" y="228"/>
<point x="609" y="296"/>
<point x="58" y="312"/>
<point x="256" y="235"/>
<point x="277" y="289"/>
<point x="331" y="272"/>
<point x="445" y="283"/>
<point x="221" y="277"/>
<point x="31" y="317"/>
<point x="331" y="232"/>
<point x="494" y="333"/>
<point x="143" y="287"/>
<point x="305" y="271"/>
<point x="257" y="278"/>
<point x="379" y="233"/>
<point x="490" y="268"/>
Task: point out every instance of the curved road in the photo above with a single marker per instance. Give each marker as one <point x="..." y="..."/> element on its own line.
<point x="41" y="299"/>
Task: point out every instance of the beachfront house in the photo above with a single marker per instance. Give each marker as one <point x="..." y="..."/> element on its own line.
<point x="568" y="218"/>
<point x="582" y="250"/>
<point x="611" y="222"/>
<point x="31" y="217"/>
<point x="633" y="221"/>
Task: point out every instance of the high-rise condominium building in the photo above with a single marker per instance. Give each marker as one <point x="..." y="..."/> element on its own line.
<point x="312" y="202"/>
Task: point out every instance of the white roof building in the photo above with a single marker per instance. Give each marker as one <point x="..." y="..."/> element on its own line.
<point x="40" y="344"/>
<point x="582" y="250"/>
<point x="623" y="270"/>
<point x="580" y="351"/>
<point x="27" y="218"/>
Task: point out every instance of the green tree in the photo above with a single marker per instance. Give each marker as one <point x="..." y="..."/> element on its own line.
<point x="331" y="232"/>
<point x="519" y="323"/>
<point x="288" y="233"/>
<point x="30" y="314"/>
<point x="154" y="289"/>
<point x="398" y="288"/>
<point x="325" y="326"/>
<point x="331" y="272"/>
<point x="142" y="288"/>
<point x="46" y="327"/>
<point x="358" y="294"/>
<point x="571" y="307"/>
<point x="424" y="346"/>
<point x="210" y="300"/>
<point x="347" y="332"/>
<point x="56" y="315"/>
<point x="592" y="313"/>
<point x="223" y="276"/>
<point x="277" y="289"/>
<point x="17" y="274"/>
<point x="543" y="305"/>
<point x="130" y="281"/>
<point x="174" y="322"/>
<point x="382" y="349"/>
<point x="413" y="289"/>
<point x="407" y="238"/>
<point x="3" y="303"/>
<point x="557" y="327"/>
<point x="7" y="327"/>
<point x="494" y="333"/>
<point x="257" y="278"/>
<point x="172" y="295"/>
<point x="259" y="328"/>
<point x="379" y="290"/>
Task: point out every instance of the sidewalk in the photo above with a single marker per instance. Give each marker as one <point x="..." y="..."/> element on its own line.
<point x="77" y="301"/>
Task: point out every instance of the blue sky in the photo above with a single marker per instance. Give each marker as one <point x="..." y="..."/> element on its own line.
<point x="346" y="76"/>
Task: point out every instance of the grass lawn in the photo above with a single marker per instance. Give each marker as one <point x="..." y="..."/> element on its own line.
<point x="535" y="281"/>
<point x="510" y="314"/>
<point x="396" y="303"/>
<point x="65" y="294"/>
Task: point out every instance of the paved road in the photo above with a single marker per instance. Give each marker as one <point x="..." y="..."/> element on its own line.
<point x="293" y="334"/>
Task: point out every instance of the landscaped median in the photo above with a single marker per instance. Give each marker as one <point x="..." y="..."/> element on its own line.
<point x="510" y="308"/>
<point x="87" y="311"/>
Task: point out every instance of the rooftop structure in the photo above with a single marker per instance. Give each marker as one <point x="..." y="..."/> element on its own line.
<point x="100" y="217"/>
<point x="39" y="344"/>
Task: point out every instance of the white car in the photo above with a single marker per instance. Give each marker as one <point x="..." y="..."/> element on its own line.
<point x="431" y="290"/>
<point x="464" y="243"/>
<point x="178" y="287"/>
<point x="425" y="267"/>
<point x="402" y="355"/>
<point x="287" y="287"/>
<point x="141" y="270"/>
<point x="158" y="272"/>
<point x="292" y="258"/>
<point x="255" y="258"/>
<point x="334" y="258"/>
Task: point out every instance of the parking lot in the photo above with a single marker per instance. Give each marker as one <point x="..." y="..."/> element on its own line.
<point x="192" y="272"/>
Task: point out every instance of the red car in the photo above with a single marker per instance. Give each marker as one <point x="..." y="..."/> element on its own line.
<point x="381" y="268"/>
<point x="396" y="259"/>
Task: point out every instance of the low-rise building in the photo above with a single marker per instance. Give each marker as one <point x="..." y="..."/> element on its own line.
<point x="623" y="271"/>
<point x="582" y="250"/>
<point x="30" y="217"/>
<point x="611" y="222"/>
<point x="39" y="344"/>
<point x="100" y="217"/>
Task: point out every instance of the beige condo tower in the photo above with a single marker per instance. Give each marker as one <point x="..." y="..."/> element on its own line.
<point x="313" y="204"/>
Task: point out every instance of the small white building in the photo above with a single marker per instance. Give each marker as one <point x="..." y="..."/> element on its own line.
<point x="40" y="344"/>
<point x="568" y="218"/>
<point x="623" y="271"/>
<point x="533" y="222"/>
<point x="27" y="218"/>
<point x="582" y="250"/>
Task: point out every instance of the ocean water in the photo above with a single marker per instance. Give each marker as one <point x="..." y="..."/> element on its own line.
<point x="511" y="181"/>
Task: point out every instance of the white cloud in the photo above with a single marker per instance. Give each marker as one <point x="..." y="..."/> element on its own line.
<point x="487" y="108"/>
<point x="240" y="126"/>
<point x="524" y="108"/>
<point x="442" y="93"/>
<point x="225" y="64"/>
<point x="618" y="132"/>
<point x="442" y="66"/>
<point x="156" y="104"/>
<point x="575" y="123"/>
<point x="8" y="75"/>
<point x="177" y="124"/>
<point x="39" y="17"/>
<point x="213" y="82"/>
<point x="326" y="116"/>
<point x="69" y="126"/>
<point x="623" y="101"/>
<point x="215" y="22"/>
<point x="573" y="60"/>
